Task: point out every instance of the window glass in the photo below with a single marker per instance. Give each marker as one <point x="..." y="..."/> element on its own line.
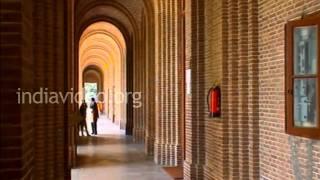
<point x="305" y="102"/>
<point x="305" y="50"/>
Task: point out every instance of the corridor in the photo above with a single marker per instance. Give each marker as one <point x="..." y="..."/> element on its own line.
<point x="114" y="156"/>
<point x="184" y="89"/>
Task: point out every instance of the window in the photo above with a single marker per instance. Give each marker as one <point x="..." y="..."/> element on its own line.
<point x="303" y="77"/>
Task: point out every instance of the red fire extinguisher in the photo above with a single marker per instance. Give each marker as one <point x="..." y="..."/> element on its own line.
<point x="214" y="101"/>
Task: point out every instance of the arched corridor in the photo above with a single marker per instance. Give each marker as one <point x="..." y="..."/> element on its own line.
<point x="183" y="89"/>
<point x="106" y="40"/>
<point x="102" y="51"/>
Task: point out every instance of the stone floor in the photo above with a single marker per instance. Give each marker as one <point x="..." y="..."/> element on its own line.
<point x="113" y="156"/>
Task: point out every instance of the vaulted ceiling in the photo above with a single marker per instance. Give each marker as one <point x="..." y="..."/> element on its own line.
<point x="101" y="44"/>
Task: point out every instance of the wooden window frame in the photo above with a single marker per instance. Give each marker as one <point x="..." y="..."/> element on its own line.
<point x="312" y="133"/>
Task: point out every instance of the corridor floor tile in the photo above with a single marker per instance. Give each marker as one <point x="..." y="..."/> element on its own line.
<point x="113" y="156"/>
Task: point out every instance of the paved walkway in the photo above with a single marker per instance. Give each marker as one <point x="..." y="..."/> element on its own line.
<point x="113" y="156"/>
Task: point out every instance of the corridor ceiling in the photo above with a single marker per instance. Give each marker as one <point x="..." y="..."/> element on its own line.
<point x="102" y="45"/>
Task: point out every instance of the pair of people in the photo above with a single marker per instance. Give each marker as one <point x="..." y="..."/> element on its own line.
<point x="83" y="113"/>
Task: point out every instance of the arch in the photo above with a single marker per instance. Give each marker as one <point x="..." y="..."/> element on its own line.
<point x="98" y="75"/>
<point x="103" y="45"/>
<point x="128" y="28"/>
<point x="94" y="68"/>
<point x="124" y="16"/>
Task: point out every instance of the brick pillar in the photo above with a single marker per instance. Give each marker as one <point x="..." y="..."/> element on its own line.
<point x="215" y="163"/>
<point x="241" y="84"/>
<point x="253" y="88"/>
<point x="233" y="113"/>
<point x="49" y="68"/>
<point x="150" y="82"/>
<point x="195" y="103"/>
<point x="16" y="67"/>
<point x="143" y="78"/>
<point x="138" y="125"/>
<point x="167" y="143"/>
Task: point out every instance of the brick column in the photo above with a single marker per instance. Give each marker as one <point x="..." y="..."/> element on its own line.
<point x="195" y="103"/>
<point x="241" y="86"/>
<point x="49" y="68"/>
<point x="215" y="140"/>
<point x="150" y="82"/>
<point x="167" y="144"/>
<point x="138" y="125"/>
<point x="16" y="67"/>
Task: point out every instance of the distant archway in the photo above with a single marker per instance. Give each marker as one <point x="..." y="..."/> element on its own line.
<point x="93" y="74"/>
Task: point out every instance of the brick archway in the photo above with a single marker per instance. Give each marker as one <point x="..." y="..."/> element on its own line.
<point x="89" y="12"/>
<point x="127" y="32"/>
<point x="93" y="73"/>
<point x="102" y="44"/>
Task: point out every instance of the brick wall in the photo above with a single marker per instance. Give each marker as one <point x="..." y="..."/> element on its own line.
<point x="222" y="48"/>
<point x="275" y="147"/>
<point x="244" y="52"/>
<point x="214" y="127"/>
<point x="32" y="56"/>
<point x="16" y="130"/>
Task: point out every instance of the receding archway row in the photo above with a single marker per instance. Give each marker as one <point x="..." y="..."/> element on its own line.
<point x="102" y="45"/>
<point x="126" y="16"/>
<point x="156" y="124"/>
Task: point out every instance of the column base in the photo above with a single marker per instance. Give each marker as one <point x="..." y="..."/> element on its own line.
<point x="193" y="171"/>
<point x="149" y="145"/>
<point x="138" y="135"/>
<point x="210" y="172"/>
<point x="167" y="154"/>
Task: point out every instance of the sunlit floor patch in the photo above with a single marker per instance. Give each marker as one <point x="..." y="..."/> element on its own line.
<point x="113" y="156"/>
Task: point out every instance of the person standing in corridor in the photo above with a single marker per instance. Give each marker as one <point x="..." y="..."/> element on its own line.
<point x="95" y="116"/>
<point x="83" y="122"/>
